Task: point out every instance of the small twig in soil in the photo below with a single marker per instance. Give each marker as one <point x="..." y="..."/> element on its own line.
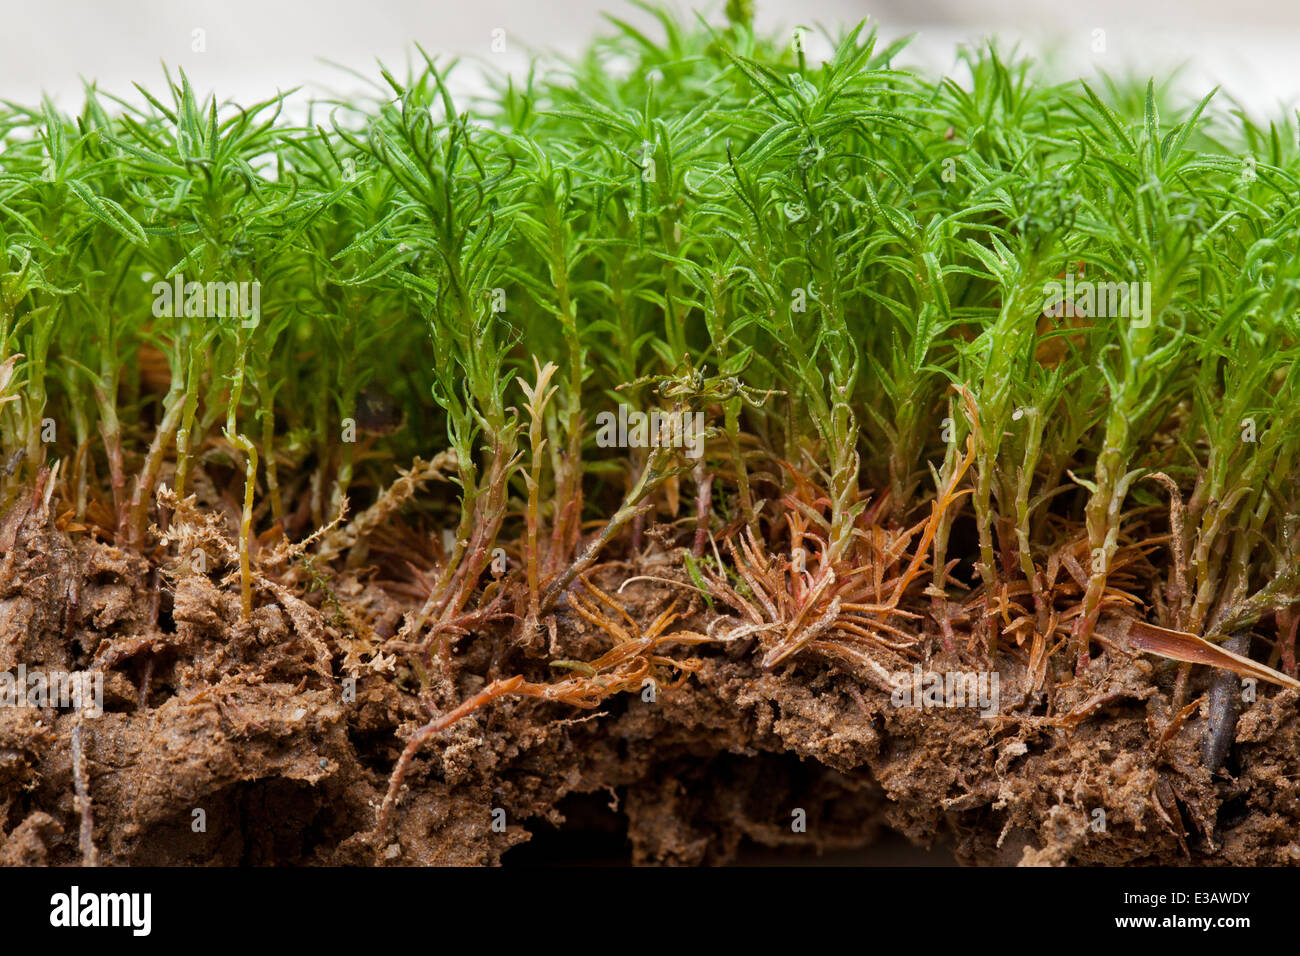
<point x="1225" y="707"/>
<point x="81" y="782"/>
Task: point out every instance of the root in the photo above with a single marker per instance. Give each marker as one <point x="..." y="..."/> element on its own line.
<point x="627" y="666"/>
<point x="496" y="689"/>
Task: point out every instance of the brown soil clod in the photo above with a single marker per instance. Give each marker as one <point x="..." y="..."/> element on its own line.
<point x="280" y="740"/>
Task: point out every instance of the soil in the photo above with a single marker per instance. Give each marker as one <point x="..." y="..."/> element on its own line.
<point x="252" y="724"/>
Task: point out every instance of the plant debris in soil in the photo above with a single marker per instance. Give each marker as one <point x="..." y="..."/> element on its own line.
<point x="744" y="450"/>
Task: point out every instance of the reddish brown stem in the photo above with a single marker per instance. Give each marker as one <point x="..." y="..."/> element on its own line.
<point x="497" y="688"/>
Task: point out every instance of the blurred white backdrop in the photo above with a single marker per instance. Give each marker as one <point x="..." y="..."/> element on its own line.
<point x="252" y="48"/>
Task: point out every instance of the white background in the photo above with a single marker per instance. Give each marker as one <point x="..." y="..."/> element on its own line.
<point x="256" y="47"/>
